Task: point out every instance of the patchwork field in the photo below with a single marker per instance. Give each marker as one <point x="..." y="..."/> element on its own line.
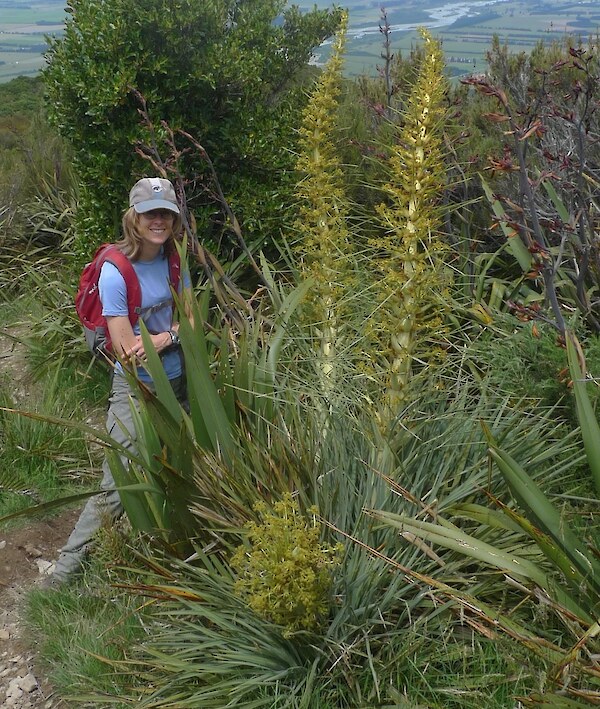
<point x="466" y="28"/>
<point x="23" y="26"/>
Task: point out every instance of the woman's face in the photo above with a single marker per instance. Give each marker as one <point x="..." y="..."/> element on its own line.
<point x="155" y="228"/>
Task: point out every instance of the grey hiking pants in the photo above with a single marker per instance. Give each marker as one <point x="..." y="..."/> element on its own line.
<point x="107" y="506"/>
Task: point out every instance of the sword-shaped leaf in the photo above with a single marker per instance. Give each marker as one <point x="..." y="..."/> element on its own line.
<point x="508" y="562"/>
<point x="515" y="245"/>
<point x="544" y="514"/>
<point x="590" y="430"/>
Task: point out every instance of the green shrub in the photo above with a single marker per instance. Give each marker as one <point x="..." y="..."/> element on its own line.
<point x="226" y="72"/>
<point x="21" y="96"/>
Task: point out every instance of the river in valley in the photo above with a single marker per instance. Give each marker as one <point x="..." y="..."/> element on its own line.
<point x="441" y="16"/>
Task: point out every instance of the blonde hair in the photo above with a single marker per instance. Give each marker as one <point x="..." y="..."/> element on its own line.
<point x="131" y="243"/>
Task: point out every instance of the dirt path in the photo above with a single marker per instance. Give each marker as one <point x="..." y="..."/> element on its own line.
<point x="27" y="554"/>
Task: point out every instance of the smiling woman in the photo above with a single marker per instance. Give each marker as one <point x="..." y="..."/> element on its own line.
<point x="151" y="226"/>
<point x="155" y="228"/>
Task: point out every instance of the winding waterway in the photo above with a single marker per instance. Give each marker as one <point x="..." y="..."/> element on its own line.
<point x="439" y="17"/>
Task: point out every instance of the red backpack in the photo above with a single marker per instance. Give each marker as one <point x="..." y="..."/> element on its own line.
<point x="87" y="300"/>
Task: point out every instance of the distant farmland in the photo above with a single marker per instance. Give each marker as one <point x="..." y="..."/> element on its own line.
<point x="518" y="27"/>
<point x="519" y="23"/>
<point x="23" y="27"/>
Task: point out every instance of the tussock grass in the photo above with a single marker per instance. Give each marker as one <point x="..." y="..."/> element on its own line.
<point x="83" y="633"/>
<point x="41" y="461"/>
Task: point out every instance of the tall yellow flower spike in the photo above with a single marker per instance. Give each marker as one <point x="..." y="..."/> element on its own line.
<point x="409" y="261"/>
<point x="323" y="245"/>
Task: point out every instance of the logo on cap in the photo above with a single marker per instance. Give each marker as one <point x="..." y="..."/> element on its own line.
<point x="153" y="193"/>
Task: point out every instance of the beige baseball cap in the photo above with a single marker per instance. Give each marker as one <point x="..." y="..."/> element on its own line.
<point x="153" y="193"/>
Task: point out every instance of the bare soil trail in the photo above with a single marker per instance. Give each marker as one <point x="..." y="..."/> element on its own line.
<point x="26" y="556"/>
<point x="27" y="553"/>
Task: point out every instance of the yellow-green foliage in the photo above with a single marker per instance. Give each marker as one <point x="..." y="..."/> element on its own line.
<point x="285" y="575"/>
<point x="323" y="245"/>
<point x="409" y="258"/>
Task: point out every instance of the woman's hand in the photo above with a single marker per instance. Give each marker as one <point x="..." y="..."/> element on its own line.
<point x="161" y="342"/>
<point x="130" y="346"/>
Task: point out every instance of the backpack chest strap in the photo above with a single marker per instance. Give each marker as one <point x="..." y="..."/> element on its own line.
<point x="145" y="312"/>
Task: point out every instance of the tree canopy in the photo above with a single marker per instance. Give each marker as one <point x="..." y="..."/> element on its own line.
<point x="226" y="71"/>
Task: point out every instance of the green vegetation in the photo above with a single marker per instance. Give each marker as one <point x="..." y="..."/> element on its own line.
<point x="237" y="89"/>
<point x="409" y="259"/>
<point x="82" y="634"/>
<point x="321" y="236"/>
<point x="22" y="96"/>
<point x="42" y="462"/>
<point x="384" y="491"/>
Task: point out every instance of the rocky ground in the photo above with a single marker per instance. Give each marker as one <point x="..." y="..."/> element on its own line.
<point x="27" y="553"/>
<point x="26" y="557"/>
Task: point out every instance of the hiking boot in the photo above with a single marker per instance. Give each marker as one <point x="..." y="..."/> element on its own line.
<point x="53" y="582"/>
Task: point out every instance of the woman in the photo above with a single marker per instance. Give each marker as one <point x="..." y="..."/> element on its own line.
<point x="150" y="227"/>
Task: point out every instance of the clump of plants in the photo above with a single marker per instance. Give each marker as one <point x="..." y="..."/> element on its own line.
<point x="285" y="574"/>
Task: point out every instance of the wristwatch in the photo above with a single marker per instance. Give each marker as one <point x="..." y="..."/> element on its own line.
<point x="174" y="338"/>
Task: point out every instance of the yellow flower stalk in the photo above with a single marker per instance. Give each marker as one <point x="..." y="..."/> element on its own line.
<point x="322" y="247"/>
<point x="410" y="256"/>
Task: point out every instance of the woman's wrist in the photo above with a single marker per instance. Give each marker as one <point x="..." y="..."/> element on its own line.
<point x="174" y="336"/>
<point x="168" y="338"/>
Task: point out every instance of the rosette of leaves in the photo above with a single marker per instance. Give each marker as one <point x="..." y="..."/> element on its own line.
<point x="285" y="574"/>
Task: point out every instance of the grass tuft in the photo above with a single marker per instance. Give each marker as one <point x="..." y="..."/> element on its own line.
<point x="83" y="635"/>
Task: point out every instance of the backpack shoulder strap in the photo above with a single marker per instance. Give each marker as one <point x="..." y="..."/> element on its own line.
<point x="114" y="255"/>
<point x="174" y="269"/>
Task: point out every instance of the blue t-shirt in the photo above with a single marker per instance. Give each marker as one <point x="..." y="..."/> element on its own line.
<point x="154" y="283"/>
